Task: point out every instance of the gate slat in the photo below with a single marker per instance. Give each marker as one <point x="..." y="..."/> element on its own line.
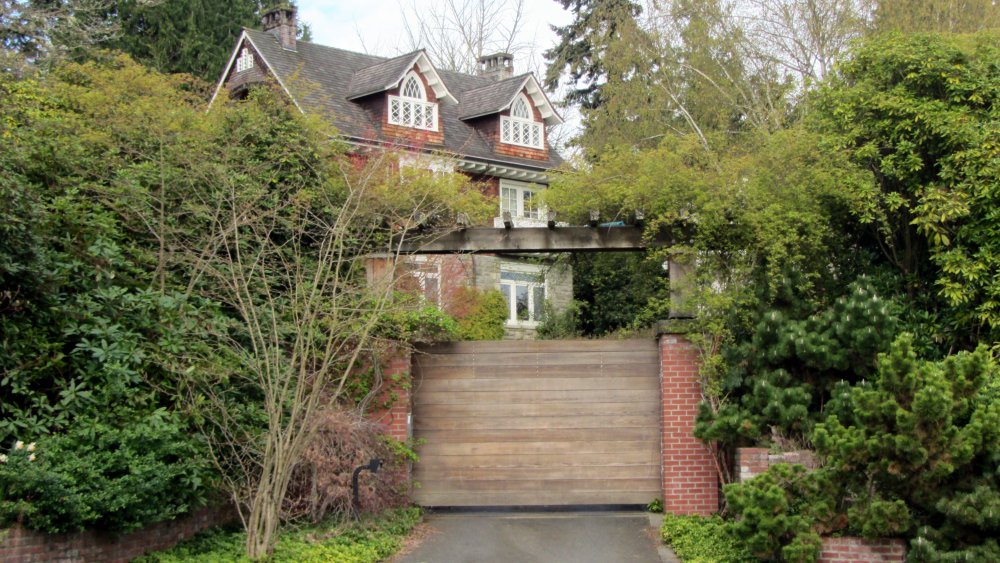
<point x="537" y="423"/>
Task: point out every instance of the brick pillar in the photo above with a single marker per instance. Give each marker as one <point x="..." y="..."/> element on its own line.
<point x="690" y="479"/>
<point x="397" y="417"/>
<point x="752" y="462"/>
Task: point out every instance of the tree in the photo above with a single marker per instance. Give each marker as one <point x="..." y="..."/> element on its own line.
<point x="583" y="45"/>
<point x="288" y="221"/>
<point x="192" y="36"/>
<point x="456" y="33"/>
<point x="948" y="16"/>
<point x="916" y="449"/>
<point x="919" y="113"/>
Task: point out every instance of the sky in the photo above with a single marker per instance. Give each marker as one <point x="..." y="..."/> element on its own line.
<point x="376" y="26"/>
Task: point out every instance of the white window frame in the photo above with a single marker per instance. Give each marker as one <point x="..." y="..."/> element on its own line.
<point x="535" y="310"/>
<point x="522" y="131"/>
<point x="245" y="60"/>
<point x="513" y="197"/>
<point x="422" y="269"/>
<point x="412" y="111"/>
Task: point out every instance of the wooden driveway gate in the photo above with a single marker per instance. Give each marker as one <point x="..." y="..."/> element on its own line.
<point x="530" y="423"/>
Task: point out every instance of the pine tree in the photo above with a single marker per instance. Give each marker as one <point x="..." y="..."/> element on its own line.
<point x="583" y="45"/>
<point x="790" y="366"/>
<point x="917" y="449"/>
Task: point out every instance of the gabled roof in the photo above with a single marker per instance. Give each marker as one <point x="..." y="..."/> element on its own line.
<point x="322" y="80"/>
<point x="388" y="74"/>
<point x="499" y="96"/>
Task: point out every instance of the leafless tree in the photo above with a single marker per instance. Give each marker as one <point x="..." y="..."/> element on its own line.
<point x="289" y="260"/>
<point x="457" y="32"/>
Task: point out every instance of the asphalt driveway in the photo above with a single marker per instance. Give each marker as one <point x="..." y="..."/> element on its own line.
<point x="516" y="537"/>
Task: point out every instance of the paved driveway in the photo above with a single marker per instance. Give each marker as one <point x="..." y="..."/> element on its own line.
<point x="516" y="537"/>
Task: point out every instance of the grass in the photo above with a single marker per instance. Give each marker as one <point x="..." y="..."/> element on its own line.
<point x="372" y="539"/>
<point x="696" y="539"/>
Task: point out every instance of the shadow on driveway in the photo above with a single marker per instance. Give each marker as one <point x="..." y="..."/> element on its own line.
<point x="516" y="537"/>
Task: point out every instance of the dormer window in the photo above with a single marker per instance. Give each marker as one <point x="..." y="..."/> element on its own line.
<point x="245" y="62"/>
<point x="411" y="108"/>
<point x="520" y="127"/>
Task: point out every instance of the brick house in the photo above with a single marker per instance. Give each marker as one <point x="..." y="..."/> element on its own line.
<point x="491" y="126"/>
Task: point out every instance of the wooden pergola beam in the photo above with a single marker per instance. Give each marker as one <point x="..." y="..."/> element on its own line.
<point x="532" y="239"/>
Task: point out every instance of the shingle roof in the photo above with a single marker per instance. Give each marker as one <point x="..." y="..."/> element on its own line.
<point x="491" y="98"/>
<point x="320" y="78"/>
<point x="380" y="77"/>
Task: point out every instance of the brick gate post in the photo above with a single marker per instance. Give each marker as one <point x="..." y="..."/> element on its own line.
<point x="690" y="480"/>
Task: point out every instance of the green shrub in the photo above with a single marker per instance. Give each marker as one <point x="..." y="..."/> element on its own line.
<point x="560" y="324"/>
<point x="481" y="315"/>
<point x="96" y="475"/>
<point x="696" y="539"/>
<point x="372" y="539"/>
<point x="782" y="512"/>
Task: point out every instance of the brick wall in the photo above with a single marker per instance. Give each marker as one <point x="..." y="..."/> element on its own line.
<point x="754" y="461"/>
<point x="690" y="480"/>
<point x="20" y="545"/>
<point x="860" y="550"/>
<point x="397" y="417"/>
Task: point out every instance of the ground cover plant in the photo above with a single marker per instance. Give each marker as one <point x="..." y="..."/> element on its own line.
<point x="697" y="539"/>
<point x="373" y="538"/>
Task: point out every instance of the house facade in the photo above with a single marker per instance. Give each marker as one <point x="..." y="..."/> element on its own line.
<point x="491" y="126"/>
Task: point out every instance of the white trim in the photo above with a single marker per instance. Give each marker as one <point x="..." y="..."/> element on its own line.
<point x="522" y="132"/>
<point x="411" y="112"/>
<point x="229" y="67"/>
<point x="520" y="216"/>
<point x="540" y="100"/>
<point x="426" y="68"/>
<point x="522" y="268"/>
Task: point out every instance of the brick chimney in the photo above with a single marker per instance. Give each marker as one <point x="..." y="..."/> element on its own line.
<point x="498" y="66"/>
<point x="280" y="22"/>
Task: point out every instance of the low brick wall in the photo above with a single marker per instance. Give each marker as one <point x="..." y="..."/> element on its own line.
<point x="20" y="545"/>
<point x="754" y="461"/>
<point x="860" y="550"/>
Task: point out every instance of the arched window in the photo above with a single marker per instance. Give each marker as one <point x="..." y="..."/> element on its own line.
<point x="520" y="127"/>
<point x="521" y="109"/>
<point x="409" y="108"/>
<point x="412" y="88"/>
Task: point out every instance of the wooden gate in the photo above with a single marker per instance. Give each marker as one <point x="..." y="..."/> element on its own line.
<point x="530" y="423"/>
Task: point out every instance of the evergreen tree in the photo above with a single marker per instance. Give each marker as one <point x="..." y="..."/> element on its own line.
<point x="583" y="46"/>
<point x="789" y="367"/>
<point x="918" y="450"/>
<point x="192" y="36"/>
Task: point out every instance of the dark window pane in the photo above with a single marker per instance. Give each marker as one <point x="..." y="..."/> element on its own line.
<point x="522" y="303"/>
<point x="538" y="302"/>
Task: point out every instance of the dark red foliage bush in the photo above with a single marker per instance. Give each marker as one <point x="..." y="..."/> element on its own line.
<point x="321" y="483"/>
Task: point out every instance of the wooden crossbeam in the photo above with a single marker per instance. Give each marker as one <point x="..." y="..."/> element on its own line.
<point x="532" y="239"/>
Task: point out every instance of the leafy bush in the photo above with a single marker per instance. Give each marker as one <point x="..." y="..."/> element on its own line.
<point x="696" y="539"/>
<point x="782" y="512"/>
<point x="321" y="483"/>
<point x="559" y="324"/>
<point x="372" y="539"/>
<point x="97" y="475"/>
<point x="481" y="315"/>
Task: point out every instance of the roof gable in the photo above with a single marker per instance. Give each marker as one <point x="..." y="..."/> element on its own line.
<point x="320" y="79"/>
<point x="498" y="96"/>
<point x="388" y="74"/>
